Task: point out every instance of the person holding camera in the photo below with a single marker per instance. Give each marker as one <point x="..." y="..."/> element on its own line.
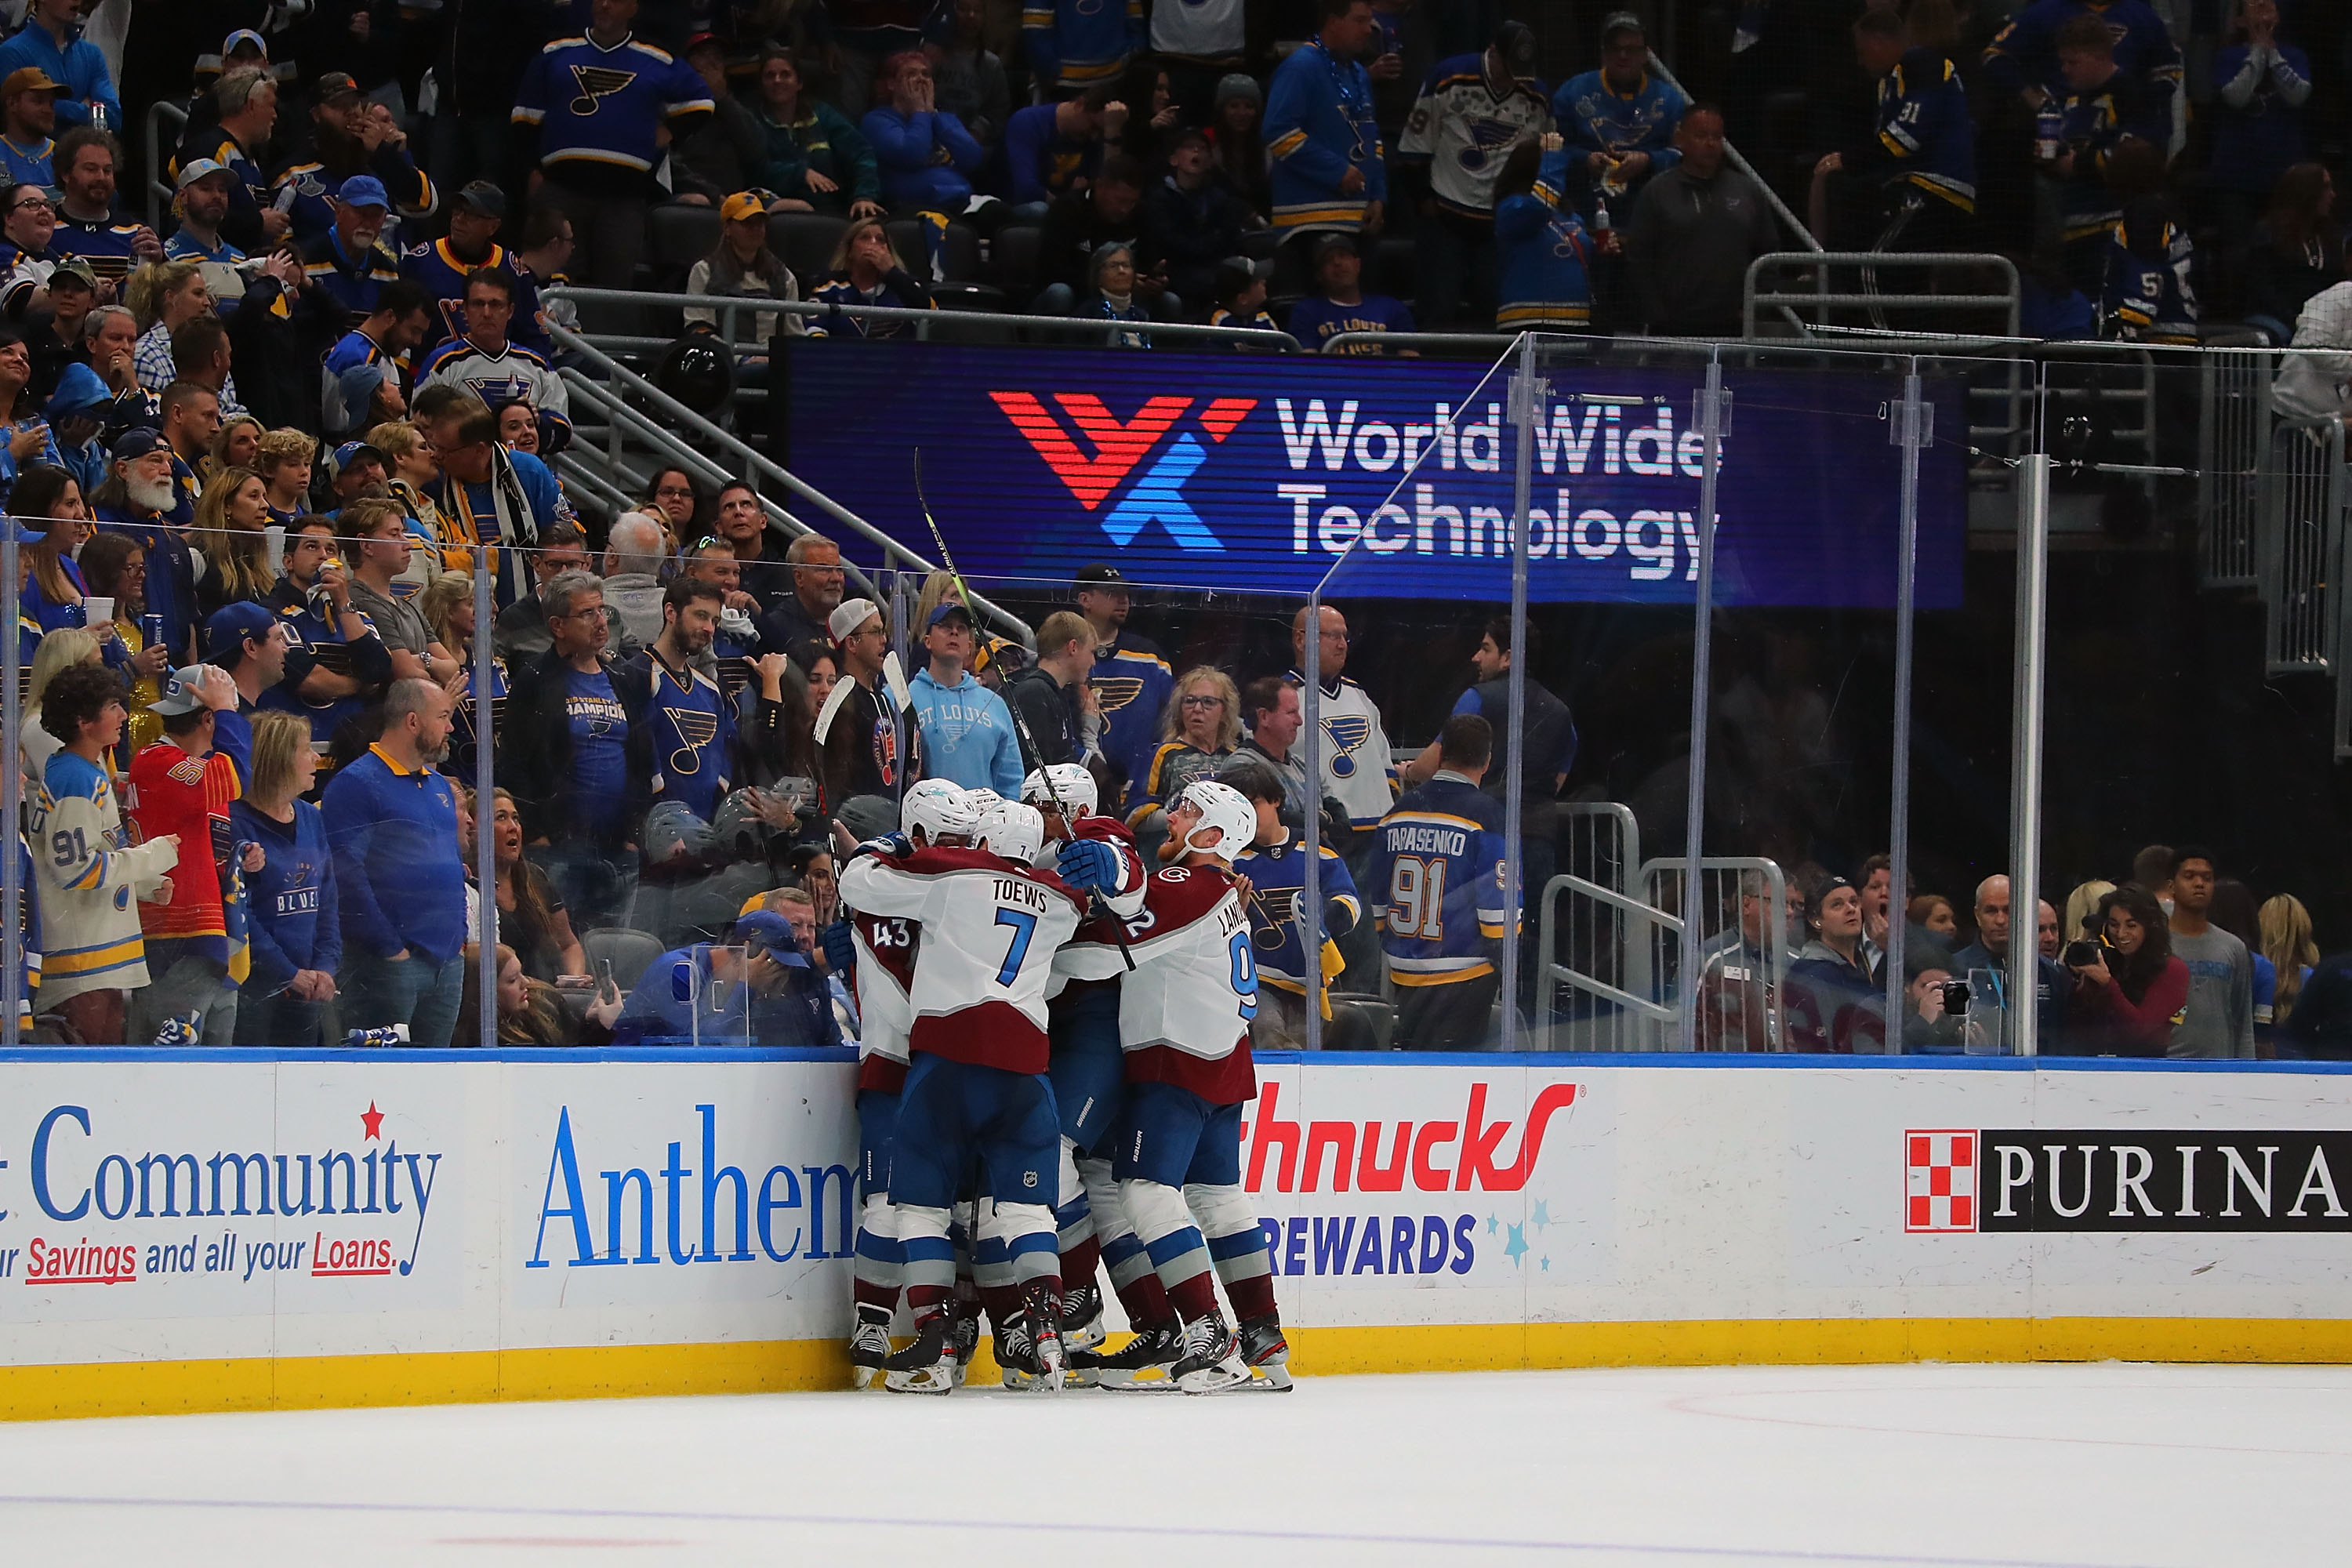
<point x="1938" y="999"/>
<point x="2129" y="990"/>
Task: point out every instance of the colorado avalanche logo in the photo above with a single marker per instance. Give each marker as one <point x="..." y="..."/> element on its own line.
<point x="1347" y="733"/>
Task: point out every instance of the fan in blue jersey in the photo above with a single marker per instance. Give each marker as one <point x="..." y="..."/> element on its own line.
<point x="441" y="266"/>
<point x="51" y="39"/>
<point x="499" y="371"/>
<point x="2103" y="107"/>
<point x="1435" y="879"/>
<point x="88" y="225"/>
<point x="359" y="380"/>
<point x="1343" y="306"/>
<point x="1275" y="865"/>
<point x="1918" y="170"/>
<point x="1132" y="680"/>
<point x="28" y="114"/>
<point x="1327" y="165"/>
<point x="681" y="724"/>
<point x="1618" y="120"/>
<point x="350" y="263"/>
<point x="1074" y="45"/>
<point x="2148" y="298"/>
<point x="589" y="111"/>
<point x="1544" y="281"/>
<point x="2023" y="56"/>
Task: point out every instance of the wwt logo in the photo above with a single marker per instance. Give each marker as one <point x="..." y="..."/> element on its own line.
<point x="1156" y="495"/>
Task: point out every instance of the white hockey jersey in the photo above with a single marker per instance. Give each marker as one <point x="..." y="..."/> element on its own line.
<point x="1357" y="769"/>
<point x="91" y="877"/>
<point x="886" y="945"/>
<point x="990" y="931"/>
<point x="1184" y="1013"/>
<point x="1202" y="29"/>
<point x="513" y="375"/>
<point x="1463" y="133"/>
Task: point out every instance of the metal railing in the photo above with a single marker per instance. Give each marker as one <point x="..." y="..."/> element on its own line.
<point x="1063" y="329"/>
<point x="160" y="115"/>
<point x="1821" y="264"/>
<point x="620" y="383"/>
<point x="2233" y="424"/>
<point x="2298" y="540"/>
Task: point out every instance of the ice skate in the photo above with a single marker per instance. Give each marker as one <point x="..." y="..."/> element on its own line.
<point x="963" y="1339"/>
<point x="1213" y="1358"/>
<point x="1029" y="1348"/>
<point x="925" y="1366"/>
<point x="1082" y="1317"/>
<point x="1267" y="1352"/>
<point x="869" y="1345"/>
<point x="1152" y="1349"/>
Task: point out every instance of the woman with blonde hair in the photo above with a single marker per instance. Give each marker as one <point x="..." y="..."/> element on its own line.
<point x="2285" y="931"/>
<point x="60" y="650"/>
<point x="1197" y="734"/>
<point x="413" y="473"/>
<point x="2082" y="911"/>
<point x="238" y="445"/>
<point x="447" y="607"/>
<point x="232" y="542"/>
<point x="298" y="942"/>
<point x="867" y="270"/>
<point x="939" y="588"/>
<point x="164" y="297"/>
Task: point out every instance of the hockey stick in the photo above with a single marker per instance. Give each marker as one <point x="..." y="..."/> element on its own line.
<point x="1020" y="725"/>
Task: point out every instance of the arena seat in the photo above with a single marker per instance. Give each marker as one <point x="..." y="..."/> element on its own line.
<point x="806" y="241"/>
<point x="962" y="246"/>
<point x="681" y="236"/>
<point x="1013" y="263"/>
<point x="630" y="952"/>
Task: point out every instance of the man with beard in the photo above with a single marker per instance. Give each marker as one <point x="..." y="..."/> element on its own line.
<point x="348" y="136"/>
<point x="400" y="881"/>
<point x="135" y="501"/>
<point x="681" y="725"/>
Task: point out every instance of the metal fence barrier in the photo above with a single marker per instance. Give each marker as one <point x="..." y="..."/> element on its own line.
<point x="2298" y="539"/>
<point x="1870" y="298"/>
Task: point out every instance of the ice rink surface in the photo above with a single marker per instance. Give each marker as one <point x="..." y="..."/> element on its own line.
<point x="1946" y="1465"/>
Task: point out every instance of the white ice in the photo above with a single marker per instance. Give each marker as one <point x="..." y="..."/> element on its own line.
<point x="1948" y="1465"/>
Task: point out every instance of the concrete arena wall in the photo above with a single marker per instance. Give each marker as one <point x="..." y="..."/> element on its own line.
<point x="431" y="1227"/>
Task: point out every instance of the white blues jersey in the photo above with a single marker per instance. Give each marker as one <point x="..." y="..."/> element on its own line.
<point x="513" y="375"/>
<point x="1357" y="769"/>
<point x="1465" y="133"/>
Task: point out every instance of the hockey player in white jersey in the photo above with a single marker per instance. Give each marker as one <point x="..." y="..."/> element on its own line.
<point x="975" y="1092"/>
<point x="879" y="950"/>
<point x="1097" y="855"/>
<point x="1184" y="1017"/>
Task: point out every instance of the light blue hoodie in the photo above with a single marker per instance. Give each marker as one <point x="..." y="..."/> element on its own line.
<point x="968" y="735"/>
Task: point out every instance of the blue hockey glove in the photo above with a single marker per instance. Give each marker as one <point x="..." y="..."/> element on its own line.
<point x="840" y="947"/>
<point x="1089" y="866"/>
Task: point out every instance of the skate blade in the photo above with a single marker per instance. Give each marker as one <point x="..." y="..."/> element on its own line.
<point x="926" y="1380"/>
<point x="1085" y="1336"/>
<point x="861" y="1377"/>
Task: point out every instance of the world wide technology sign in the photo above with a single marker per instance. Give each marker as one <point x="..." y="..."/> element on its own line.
<point x="1251" y="472"/>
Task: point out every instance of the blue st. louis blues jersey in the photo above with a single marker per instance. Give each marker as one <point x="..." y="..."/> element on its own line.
<point x="1436" y="884"/>
<point x="1926" y="137"/>
<point x="689" y="727"/>
<point x="1278" y="874"/>
<point x="2148" y="295"/>
<point x="1596" y="118"/>
<point x="1132" y="684"/>
<point x="598" y="110"/>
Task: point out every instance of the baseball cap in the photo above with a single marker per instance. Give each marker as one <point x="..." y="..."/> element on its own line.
<point x="335" y="85"/>
<point x="1331" y="242"/>
<point x="484" y="197"/>
<point x="137" y="442"/>
<point x="1617" y="22"/>
<point x="198" y="169"/>
<point x="364" y="190"/>
<point x="30" y="79"/>
<point x="764" y="928"/>
<point x="229" y="628"/>
<point x="350" y="451"/>
<point x="75" y="268"/>
<point x="244" y="37"/>
<point x="1100" y="573"/>
<point x="743" y="204"/>
<point x="180" y="694"/>
<point x="848" y="615"/>
<point x="945" y="608"/>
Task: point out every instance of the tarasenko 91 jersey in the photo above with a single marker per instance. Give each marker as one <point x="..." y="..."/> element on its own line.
<point x="990" y="931"/>
<point x="1436" y="884"/>
<point x="1184" y="1013"/>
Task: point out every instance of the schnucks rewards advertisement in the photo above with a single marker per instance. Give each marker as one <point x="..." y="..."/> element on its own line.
<point x="1255" y="472"/>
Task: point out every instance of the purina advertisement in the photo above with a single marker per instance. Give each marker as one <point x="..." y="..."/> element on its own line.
<point x="233" y="1206"/>
<point x="1257" y="471"/>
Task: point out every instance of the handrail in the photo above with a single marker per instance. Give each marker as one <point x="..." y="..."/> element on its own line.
<point x="1338" y="342"/>
<point x="1752" y="296"/>
<point x="158" y="190"/>
<point x="1258" y="337"/>
<point x="754" y="462"/>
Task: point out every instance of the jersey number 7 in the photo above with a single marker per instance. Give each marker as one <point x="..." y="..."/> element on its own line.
<point x="1025" y="926"/>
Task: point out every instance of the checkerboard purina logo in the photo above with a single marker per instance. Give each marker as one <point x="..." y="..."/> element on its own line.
<point x="1939" y="1179"/>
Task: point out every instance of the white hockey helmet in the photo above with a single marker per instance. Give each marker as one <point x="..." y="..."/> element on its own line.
<point x="938" y="806"/>
<point x="1226" y="809"/>
<point x="1063" y="784"/>
<point x="981" y="800"/>
<point x="1011" y="830"/>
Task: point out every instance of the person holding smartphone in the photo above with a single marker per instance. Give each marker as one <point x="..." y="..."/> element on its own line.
<point x="2129" y="989"/>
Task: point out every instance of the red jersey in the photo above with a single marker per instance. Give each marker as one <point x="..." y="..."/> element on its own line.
<point x="1185" y="1013"/>
<point x="172" y="791"/>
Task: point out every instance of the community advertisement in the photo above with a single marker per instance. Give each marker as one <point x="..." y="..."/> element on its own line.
<point x="229" y="1204"/>
<point x="1256" y="471"/>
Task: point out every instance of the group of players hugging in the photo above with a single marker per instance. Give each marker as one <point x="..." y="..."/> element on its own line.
<point x="1053" y="1066"/>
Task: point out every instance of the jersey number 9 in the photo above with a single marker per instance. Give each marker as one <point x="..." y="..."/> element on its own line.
<point x="1244" y="975"/>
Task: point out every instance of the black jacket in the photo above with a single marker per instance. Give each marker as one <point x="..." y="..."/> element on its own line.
<point x="1051" y="712"/>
